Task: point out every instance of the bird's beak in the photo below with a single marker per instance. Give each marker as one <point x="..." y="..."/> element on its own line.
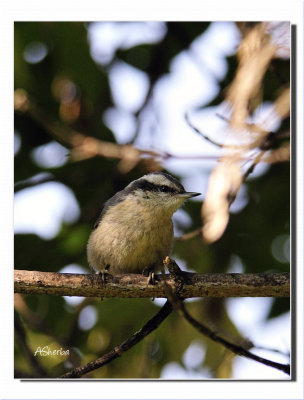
<point x="188" y="195"/>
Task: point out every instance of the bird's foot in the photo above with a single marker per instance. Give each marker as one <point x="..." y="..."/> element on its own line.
<point x="151" y="277"/>
<point x="104" y="274"/>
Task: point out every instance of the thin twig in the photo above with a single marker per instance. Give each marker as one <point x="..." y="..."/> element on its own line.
<point x="35" y="181"/>
<point x="20" y="335"/>
<point x="178" y="305"/>
<point x="204" y="136"/>
<point x="189" y="235"/>
<point x="245" y="146"/>
<point x="231" y="346"/>
<point x="83" y="146"/>
<point x="118" y="351"/>
<point x="272" y="350"/>
<point x="36" y="321"/>
<point x="249" y="171"/>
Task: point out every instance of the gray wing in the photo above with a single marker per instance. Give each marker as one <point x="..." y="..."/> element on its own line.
<point x="117" y="198"/>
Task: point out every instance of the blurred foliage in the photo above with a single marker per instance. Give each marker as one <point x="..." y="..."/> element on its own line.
<point x="51" y="321"/>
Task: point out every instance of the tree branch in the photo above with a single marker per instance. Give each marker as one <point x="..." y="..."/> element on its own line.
<point x="175" y="299"/>
<point x="21" y="339"/>
<point x="236" y="349"/>
<point x="135" y="285"/>
<point x="150" y="326"/>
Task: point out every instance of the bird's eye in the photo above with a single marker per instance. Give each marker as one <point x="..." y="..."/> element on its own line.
<point x="165" y="188"/>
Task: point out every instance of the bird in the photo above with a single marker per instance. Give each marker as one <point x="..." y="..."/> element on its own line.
<point x="134" y="232"/>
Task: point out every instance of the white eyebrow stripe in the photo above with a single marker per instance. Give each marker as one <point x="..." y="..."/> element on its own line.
<point x="161" y="180"/>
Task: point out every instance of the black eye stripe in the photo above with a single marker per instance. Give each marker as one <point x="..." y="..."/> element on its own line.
<point x="157" y="188"/>
<point x="145" y="185"/>
<point x="170" y="178"/>
<point x="166" y="189"/>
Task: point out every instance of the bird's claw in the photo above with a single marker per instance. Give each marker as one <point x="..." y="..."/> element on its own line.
<point x="103" y="273"/>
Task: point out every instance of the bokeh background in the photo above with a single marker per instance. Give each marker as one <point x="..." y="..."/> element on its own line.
<point x="132" y="83"/>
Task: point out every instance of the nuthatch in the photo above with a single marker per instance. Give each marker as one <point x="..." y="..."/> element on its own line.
<point x="134" y="231"/>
